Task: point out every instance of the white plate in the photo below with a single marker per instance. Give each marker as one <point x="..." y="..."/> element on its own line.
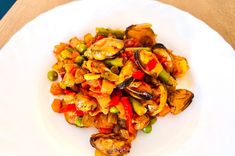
<point x="29" y="127"/>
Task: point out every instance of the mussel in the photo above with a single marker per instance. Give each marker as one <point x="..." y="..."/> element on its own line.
<point x="163" y="56"/>
<point x="143" y="33"/>
<point x="125" y="76"/>
<point x="125" y="83"/>
<point x="110" y="144"/>
<point x="179" y="100"/>
<point x="139" y="94"/>
<point x="104" y="48"/>
<point x="141" y="90"/>
<point x="143" y="57"/>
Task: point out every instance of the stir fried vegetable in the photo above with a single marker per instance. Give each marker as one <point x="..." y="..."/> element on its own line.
<point x="118" y="81"/>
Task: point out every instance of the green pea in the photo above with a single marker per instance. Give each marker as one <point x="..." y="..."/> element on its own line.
<point x="81" y="48"/>
<point x="153" y="121"/>
<point x="52" y="75"/>
<point x="147" y="129"/>
<point x="79" y="60"/>
<point x="78" y="122"/>
<point x="114" y="110"/>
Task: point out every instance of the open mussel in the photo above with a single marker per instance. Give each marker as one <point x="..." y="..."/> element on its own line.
<point x="142" y="58"/>
<point x="179" y="100"/>
<point x="163" y="56"/>
<point x="110" y="144"/>
<point x="125" y="76"/>
<point x="143" y="33"/>
<point x="104" y="48"/>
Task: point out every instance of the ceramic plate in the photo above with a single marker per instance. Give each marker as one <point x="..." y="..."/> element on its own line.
<point x="28" y="126"/>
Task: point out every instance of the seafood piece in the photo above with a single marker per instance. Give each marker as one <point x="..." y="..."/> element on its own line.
<point x="143" y="33"/>
<point x="179" y="100"/>
<point x="143" y="60"/>
<point x="110" y="144"/>
<point x="163" y="56"/>
<point x="125" y="76"/>
<point x="104" y="48"/>
<point x="141" y="121"/>
<point x="143" y="91"/>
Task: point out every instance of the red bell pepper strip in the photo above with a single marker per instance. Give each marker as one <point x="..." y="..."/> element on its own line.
<point x="115" y="98"/>
<point x="138" y="75"/>
<point x="129" y="114"/>
<point x="68" y="108"/>
<point x="151" y="64"/>
<point x="105" y="130"/>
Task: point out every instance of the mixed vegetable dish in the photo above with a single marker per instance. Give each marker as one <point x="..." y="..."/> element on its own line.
<point x="119" y="82"/>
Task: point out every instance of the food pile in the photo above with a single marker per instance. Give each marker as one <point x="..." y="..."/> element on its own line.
<point x="119" y="82"/>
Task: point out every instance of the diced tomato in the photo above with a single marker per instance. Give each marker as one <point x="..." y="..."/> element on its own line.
<point x="127" y="55"/>
<point x="75" y="54"/>
<point x="129" y="114"/>
<point x="105" y="130"/>
<point x="56" y="89"/>
<point x="162" y="60"/>
<point x="115" y="98"/>
<point x="56" y="105"/>
<point x="88" y="44"/>
<point x="138" y="75"/>
<point x="99" y="38"/>
<point x="151" y="64"/>
<point x="79" y="113"/>
<point x="131" y="42"/>
<point x="68" y="108"/>
<point x="165" y="110"/>
<point x="66" y="91"/>
<point x="73" y="71"/>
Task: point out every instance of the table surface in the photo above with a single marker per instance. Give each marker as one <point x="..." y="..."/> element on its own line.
<point x="218" y="14"/>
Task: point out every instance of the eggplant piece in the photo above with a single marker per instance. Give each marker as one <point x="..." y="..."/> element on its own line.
<point x="179" y="100"/>
<point x="139" y="94"/>
<point x="143" y="33"/>
<point x="110" y="144"/>
<point x="104" y="48"/>
<point x="158" y="71"/>
<point x="163" y="56"/>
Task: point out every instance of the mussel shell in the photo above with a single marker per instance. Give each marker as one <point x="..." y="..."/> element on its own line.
<point x="125" y="83"/>
<point x="143" y="33"/>
<point x="110" y="144"/>
<point x="138" y="63"/>
<point x="104" y="49"/>
<point x="139" y="94"/>
<point x="179" y="100"/>
<point x="158" y="45"/>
